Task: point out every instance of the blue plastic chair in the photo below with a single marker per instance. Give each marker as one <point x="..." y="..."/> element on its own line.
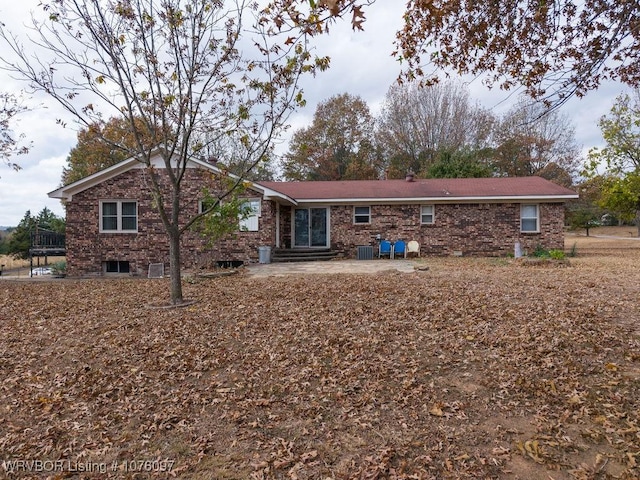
<point x="400" y="248"/>
<point x="384" y="249"/>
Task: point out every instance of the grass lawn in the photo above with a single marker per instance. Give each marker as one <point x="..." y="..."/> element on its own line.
<point x="475" y="368"/>
<point x="21" y="267"/>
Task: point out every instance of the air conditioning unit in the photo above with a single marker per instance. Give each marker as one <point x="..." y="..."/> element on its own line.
<point x="365" y="252"/>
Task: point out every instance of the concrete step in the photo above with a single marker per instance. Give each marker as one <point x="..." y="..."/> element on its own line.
<point x="302" y="255"/>
<point x="310" y="258"/>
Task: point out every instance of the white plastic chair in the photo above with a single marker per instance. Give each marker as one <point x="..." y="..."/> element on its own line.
<point x="413" y="247"/>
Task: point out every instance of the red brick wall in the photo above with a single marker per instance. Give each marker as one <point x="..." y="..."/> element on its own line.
<point x="286" y="213"/>
<point x="87" y="248"/>
<point x="471" y="229"/>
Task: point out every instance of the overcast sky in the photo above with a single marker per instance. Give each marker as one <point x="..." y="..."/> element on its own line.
<point x="361" y="64"/>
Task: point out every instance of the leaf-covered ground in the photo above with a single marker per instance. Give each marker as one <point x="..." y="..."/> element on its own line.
<point x="476" y="368"/>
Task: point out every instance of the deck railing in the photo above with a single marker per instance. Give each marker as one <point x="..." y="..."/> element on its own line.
<point x="47" y="242"/>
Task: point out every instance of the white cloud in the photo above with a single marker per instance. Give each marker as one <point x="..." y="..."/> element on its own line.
<point x="41" y="169"/>
<point x="27" y="190"/>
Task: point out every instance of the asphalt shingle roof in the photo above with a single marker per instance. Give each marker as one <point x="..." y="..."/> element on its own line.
<point x="420" y="188"/>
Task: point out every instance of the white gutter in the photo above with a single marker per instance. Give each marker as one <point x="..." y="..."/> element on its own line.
<point x="495" y="199"/>
<point x="269" y="194"/>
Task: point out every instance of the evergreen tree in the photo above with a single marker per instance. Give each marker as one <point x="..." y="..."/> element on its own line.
<point x="20" y="239"/>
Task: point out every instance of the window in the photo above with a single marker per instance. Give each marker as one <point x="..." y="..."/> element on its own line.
<point x="361" y="214"/>
<point x="250" y="222"/>
<point x="116" y="266"/>
<point x="529" y="221"/>
<point x="426" y="214"/>
<point x="118" y="216"/>
<point x="205" y="204"/>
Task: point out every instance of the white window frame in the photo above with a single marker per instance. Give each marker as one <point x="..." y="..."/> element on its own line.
<point x="524" y="218"/>
<point x="119" y="217"/>
<point x="362" y="215"/>
<point x="432" y="214"/>
<point x="251" y="222"/>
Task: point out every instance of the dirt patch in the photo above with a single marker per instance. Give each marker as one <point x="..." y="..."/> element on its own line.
<point x="472" y="369"/>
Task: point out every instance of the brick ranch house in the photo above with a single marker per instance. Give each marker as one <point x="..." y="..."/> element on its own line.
<point x="113" y="227"/>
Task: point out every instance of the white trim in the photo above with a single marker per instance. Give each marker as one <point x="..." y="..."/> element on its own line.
<point x="433" y="214"/>
<point x="537" y="217"/>
<point x="422" y="200"/>
<point x="327" y="208"/>
<point x="252" y="222"/>
<point x="68" y="191"/>
<point x="269" y="194"/>
<point x="118" y="215"/>
<point x="369" y="215"/>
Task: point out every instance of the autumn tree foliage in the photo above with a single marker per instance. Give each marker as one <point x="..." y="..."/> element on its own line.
<point x="102" y="144"/>
<point x="189" y="72"/>
<point x="553" y="49"/>
<point x="420" y="125"/>
<point x="105" y="143"/>
<point x="314" y="17"/>
<point x="621" y="132"/>
<point x="339" y="144"/>
<point x="435" y="132"/>
<point x="530" y="142"/>
<point x="620" y="158"/>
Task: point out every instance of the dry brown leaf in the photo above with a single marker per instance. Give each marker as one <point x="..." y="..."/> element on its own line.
<point x="333" y="376"/>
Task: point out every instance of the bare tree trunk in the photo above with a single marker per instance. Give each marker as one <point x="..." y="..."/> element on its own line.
<point x="175" y="268"/>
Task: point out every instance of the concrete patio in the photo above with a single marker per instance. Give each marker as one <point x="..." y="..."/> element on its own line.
<point x="333" y="266"/>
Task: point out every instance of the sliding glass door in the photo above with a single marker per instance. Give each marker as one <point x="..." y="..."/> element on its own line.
<point x="310" y="227"/>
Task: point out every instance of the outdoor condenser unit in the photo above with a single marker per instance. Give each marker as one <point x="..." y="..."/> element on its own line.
<point x="365" y="252"/>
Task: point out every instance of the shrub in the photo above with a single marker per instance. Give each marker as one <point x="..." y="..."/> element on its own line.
<point x="556" y="254"/>
<point x="59" y="269"/>
<point x="540" y="252"/>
